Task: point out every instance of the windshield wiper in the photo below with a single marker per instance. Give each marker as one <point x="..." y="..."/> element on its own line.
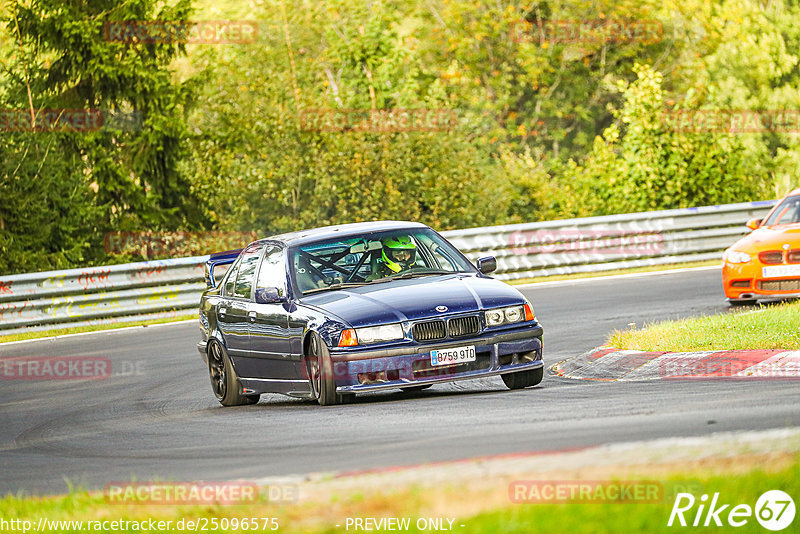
<point x="406" y="276"/>
<point x="335" y="286"/>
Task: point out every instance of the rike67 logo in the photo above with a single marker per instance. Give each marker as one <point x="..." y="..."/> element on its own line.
<point x="774" y="510"/>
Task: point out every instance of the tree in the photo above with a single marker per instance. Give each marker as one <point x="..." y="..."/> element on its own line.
<point x="62" y="60"/>
<point x="262" y="164"/>
<point x="644" y="163"/>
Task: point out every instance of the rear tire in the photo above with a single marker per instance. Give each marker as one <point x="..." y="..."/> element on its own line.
<point x="224" y="381"/>
<point x="523" y="379"/>
<point x="320" y="374"/>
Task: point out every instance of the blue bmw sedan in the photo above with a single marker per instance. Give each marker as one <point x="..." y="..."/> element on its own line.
<point x="331" y="312"/>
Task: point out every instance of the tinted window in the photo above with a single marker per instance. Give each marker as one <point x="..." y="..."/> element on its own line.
<point x="247" y="271"/>
<point x="362" y="259"/>
<point x="442" y="257"/>
<point x="231" y="280"/>
<point x="787" y="212"/>
<point x="272" y="272"/>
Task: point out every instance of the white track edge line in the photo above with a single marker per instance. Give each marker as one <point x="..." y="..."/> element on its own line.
<point x="107" y="331"/>
<point x="615" y="277"/>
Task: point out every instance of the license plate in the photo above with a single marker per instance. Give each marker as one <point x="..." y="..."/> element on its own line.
<point x="453" y="356"/>
<point x="779" y="271"/>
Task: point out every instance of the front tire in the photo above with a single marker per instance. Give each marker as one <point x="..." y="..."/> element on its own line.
<point x="320" y="374"/>
<point x="523" y="379"/>
<point x="224" y="381"/>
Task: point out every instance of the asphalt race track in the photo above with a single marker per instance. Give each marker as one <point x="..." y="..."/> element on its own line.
<point x="156" y="416"/>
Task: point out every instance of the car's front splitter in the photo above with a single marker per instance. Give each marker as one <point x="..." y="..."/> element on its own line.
<point x="403" y="383"/>
<point x="386" y="369"/>
<point x="757" y="295"/>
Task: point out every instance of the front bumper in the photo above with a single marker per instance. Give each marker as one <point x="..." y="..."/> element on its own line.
<point x="397" y="367"/>
<point x="745" y="282"/>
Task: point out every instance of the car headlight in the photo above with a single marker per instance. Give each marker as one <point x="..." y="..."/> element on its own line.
<point x="495" y="317"/>
<point x="734" y="256"/>
<point x="510" y="315"/>
<point x="377" y="334"/>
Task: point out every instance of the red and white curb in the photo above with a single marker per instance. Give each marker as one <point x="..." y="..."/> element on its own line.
<point x="612" y="364"/>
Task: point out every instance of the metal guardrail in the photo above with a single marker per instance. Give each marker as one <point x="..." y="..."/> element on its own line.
<point x="100" y="295"/>
<point x="169" y="288"/>
<point x="595" y="244"/>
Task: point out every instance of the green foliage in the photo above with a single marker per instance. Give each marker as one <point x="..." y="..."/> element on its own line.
<point x="78" y="184"/>
<point x="657" y="166"/>
<point x="45" y="206"/>
<point x="546" y="127"/>
<point x="257" y="166"/>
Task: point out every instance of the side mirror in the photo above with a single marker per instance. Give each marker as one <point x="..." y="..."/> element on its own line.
<point x="269" y="295"/>
<point x="487" y="265"/>
<point x="753" y="223"/>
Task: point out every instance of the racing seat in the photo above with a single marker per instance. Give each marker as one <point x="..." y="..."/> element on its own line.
<point x="307" y="277"/>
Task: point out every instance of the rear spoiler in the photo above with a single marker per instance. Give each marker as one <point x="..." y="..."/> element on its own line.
<point x="215" y="260"/>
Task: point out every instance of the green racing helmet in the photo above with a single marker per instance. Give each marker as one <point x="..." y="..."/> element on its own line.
<point x="399" y="252"/>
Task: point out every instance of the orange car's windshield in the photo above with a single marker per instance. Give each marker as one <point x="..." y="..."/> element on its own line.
<point x="787" y="212"/>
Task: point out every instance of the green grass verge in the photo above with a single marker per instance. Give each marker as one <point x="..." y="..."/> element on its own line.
<point x="649" y="269"/>
<point x="93" y="328"/>
<point x="744" y="487"/>
<point x="643" y="518"/>
<point x="766" y="327"/>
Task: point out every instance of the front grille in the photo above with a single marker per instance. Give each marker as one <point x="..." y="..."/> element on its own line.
<point x="771" y="256"/>
<point x="429" y="330"/>
<point x="780" y="285"/>
<point x="438" y="329"/>
<point x="793" y="256"/>
<point x="463" y="326"/>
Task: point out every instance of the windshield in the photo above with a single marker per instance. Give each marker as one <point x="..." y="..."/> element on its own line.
<point x="374" y="258"/>
<point x="787" y="212"/>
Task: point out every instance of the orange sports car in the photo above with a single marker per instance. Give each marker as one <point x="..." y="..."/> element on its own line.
<point x="765" y="264"/>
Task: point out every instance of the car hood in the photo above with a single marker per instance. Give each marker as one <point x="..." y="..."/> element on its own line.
<point x="770" y="238"/>
<point x="417" y="298"/>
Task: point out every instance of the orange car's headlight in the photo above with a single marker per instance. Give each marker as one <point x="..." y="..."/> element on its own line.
<point x="734" y="256"/>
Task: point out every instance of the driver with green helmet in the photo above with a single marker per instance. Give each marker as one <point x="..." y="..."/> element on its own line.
<point x="397" y="254"/>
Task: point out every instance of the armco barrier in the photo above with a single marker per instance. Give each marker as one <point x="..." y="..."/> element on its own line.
<point x="155" y="289"/>
<point x="98" y="295"/>
<point x="611" y="242"/>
